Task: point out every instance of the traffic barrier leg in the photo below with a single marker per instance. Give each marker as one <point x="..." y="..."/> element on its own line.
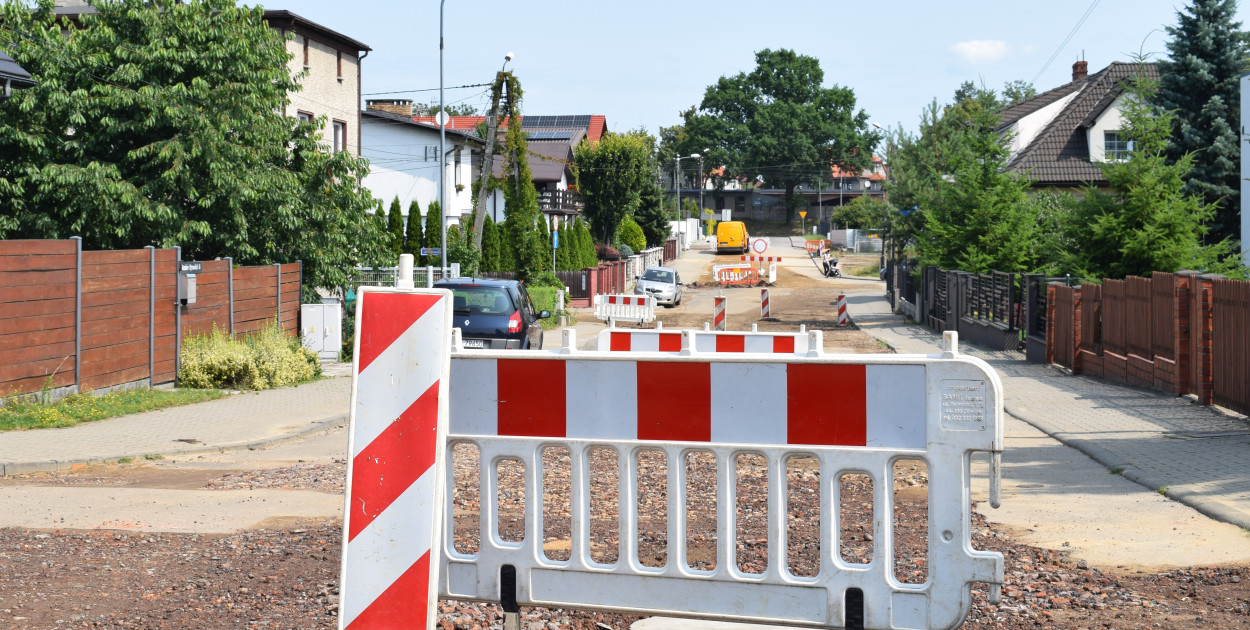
<point x="843" y="319"/>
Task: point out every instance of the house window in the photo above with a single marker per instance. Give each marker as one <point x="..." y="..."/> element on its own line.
<point x="456" y="170"/>
<point x="304" y="116"/>
<point x="1116" y="147"/>
<point x="340" y="136"/>
<point x="740" y="203"/>
<point x="340" y="65"/>
<point x="306" y="65"/>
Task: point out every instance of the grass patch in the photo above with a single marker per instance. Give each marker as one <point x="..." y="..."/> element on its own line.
<point x="19" y="414"/>
<point x="1117" y="470"/>
<point x="1162" y="490"/>
<point x="870" y="270"/>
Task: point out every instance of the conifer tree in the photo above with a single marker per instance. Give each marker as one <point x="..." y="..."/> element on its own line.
<point x="490" y="245"/>
<point x="395" y="228"/>
<point x="1200" y="83"/>
<point x="433" y="237"/>
<point x="413" y="236"/>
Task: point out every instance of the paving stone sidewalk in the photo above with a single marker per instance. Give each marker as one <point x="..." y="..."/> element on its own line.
<point x="1197" y="455"/>
<point x="249" y="419"/>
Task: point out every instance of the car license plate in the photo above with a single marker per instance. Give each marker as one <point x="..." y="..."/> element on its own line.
<point x="474" y="343"/>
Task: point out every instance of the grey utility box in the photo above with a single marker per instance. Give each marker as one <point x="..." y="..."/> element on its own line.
<point x="322" y="328"/>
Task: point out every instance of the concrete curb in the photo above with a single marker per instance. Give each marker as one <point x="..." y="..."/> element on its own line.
<point x="11" y="468"/>
<point x="1204" y="506"/>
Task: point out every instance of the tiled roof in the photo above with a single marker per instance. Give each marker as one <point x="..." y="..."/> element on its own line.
<point x="1059" y="155"/>
<point x="595" y="128"/>
<point x="408" y="120"/>
<point x="1010" y="115"/>
<point x="547" y="160"/>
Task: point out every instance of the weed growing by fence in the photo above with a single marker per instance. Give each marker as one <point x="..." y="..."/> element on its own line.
<point x="268" y="358"/>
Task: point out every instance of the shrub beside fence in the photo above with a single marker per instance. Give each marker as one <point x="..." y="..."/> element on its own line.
<point x="99" y="319"/>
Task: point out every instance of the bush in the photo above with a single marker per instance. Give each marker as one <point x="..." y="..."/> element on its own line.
<point x="606" y="252"/>
<point x="544" y="299"/>
<point x="626" y="251"/>
<point x="631" y="236"/>
<point x="266" y="359"/>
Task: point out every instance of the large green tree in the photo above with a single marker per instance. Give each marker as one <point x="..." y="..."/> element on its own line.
<point x="651" y="215"/>
<point x="611" y="177"/>
<point x="779" y="123"/>
<point x="524" y="249"/>
<point x="1200" y="84"/>
<point x="158" y="122"/>
<point x="1146" y="223"/>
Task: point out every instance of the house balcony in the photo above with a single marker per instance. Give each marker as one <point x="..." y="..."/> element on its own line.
<point x="559" y="202"/>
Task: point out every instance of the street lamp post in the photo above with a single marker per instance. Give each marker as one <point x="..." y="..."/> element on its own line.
<point x="442" y="146"/>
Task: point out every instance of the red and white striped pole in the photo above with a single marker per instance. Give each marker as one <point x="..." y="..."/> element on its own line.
<point x="764" y="304"/>
<point x="843" y="320"/>
<point x="718" y="313"/>
<point x="395" y="474"/>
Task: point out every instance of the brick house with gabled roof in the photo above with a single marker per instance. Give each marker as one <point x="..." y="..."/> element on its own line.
<point x="1062" y="135"/>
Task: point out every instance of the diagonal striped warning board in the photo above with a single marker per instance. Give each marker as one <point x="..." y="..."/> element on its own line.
<point x="394" y="476"/>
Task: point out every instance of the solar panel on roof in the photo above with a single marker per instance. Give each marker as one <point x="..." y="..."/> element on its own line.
<point x="551" y="135"/>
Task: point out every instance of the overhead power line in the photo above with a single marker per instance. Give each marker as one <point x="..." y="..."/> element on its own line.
<point x="1065" y="41"/>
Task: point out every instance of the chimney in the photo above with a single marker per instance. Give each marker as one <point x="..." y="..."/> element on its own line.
<point x="400" y="106"/>
<point x="1080" y="70"/>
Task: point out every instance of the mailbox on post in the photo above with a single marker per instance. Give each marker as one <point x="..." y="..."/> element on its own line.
<point x="187" y="271"/>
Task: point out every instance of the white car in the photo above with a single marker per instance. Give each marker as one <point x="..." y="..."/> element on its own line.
<point x="662" y="283"/>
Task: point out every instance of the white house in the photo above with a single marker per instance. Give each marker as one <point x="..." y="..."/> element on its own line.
<point x="403" y="160"/>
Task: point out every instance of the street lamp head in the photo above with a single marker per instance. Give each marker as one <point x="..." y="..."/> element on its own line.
<point x="507" y="56"/>
<point x="694" y="155"/>
<point x="877" y="126"/>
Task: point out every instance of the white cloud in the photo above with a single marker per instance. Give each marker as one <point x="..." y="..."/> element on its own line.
<point x="980" y="51"/>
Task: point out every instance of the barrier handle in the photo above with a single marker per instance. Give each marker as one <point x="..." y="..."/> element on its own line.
<point x="996" y="479"/>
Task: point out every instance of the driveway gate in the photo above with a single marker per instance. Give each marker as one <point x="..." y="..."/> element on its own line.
<point x="510" y="406"/>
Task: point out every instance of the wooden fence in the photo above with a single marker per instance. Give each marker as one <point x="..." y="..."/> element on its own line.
<point x="1180" y="333"/>
<point x="98" y="319"/>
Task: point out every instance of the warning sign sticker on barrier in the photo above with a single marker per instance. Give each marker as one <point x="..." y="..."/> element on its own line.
<point x="397" y="428"/>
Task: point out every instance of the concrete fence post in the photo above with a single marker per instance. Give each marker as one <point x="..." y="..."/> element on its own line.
<point x="230" y="291"/>
<point x="177" y="317"/>
<point x="77" y="313"/>
<point x="151" y="315"/>
<point x="278" y="286"/>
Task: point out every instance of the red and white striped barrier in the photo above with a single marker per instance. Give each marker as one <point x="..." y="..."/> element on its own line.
<point x="764" y="304"/>
<point x="799" y="343"/>
<point x="879" y="406"/>
<point x="843" y="318"/>
<point x="625" y="308"/>
<point x="762" y="259"/>
<point x="395" y="473"/>
<point x="735" y="274"/>
<point x="718" y="313"/>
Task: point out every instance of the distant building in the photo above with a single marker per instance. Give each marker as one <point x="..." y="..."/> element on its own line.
<point x="403" y="159"/>
<point x="12" y="76"/>
<point x="1059" y="137"/>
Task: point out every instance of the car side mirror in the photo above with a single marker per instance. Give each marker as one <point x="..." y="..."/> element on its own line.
<point x="544" y="314"/>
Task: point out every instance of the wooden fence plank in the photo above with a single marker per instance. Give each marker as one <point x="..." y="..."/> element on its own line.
<point x="97" y="299"/>
<point x="35" y="308"/>
<point x="19" y="247"/>
<point x="10" y="295"/>
<point x="37" y="262"/>
<point x="36" y="278"/>
<point x="114" y="256"/>
<point x="36" y="323"/>
<point x="38" y="353"/>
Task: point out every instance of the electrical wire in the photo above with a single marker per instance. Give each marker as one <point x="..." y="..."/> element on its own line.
<point x="1067" y="39"/>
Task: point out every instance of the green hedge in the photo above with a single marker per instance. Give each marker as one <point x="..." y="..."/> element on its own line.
<point x="544" y="299"/>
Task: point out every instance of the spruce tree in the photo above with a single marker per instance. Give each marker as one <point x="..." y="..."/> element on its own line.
<point x="543" y="245"/>
<point x="395" y="228"/>
<point x="1200" y="83"/>
<point x="562" y="252"/>
<point x="414" y="234"/>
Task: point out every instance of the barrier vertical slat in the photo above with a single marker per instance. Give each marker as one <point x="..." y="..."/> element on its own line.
<point x="726" y="515"/>
<point x="777" y="532"/>
<point x="676" y="522"/>
<point x="579" y="500"/>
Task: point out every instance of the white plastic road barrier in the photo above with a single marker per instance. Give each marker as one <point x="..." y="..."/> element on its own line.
<point x="395" y="481"/>
<point x="764" y="304"/>
<point x="671" y="340"/>
<point x="718" y="313"/>
<point x="762" y="259"/>
<point x="515" y="406"/>
<point x="843" y="318"/>
<point x="772" y="273"/>
<point x="625" y="308"/>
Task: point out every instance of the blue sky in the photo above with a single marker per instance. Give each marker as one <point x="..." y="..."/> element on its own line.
<point x="641" y="62"/>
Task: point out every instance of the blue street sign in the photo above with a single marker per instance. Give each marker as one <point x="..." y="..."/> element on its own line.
<point x="431" y="251"/>
<point x="555" y="240"/>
